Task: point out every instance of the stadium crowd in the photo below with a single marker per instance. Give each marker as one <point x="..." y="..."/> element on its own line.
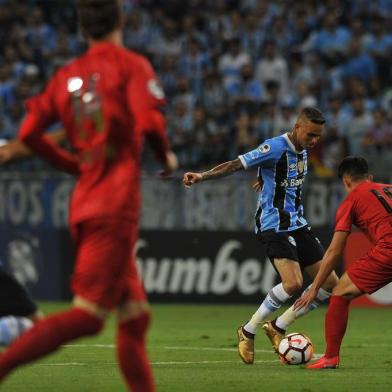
<point x="234" y="72"/>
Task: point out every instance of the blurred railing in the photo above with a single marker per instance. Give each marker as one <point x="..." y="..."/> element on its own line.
<point x="41" y="200"/>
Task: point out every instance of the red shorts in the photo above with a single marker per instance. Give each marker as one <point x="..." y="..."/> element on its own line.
<point x="372" y="271"/>
<point x="105" y="269"/>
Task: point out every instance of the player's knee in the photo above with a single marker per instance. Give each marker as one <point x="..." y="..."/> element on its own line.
<point x="293" y="285"/>
<point x="136" y="327"/>
<point x="96" y="326"/>
<point x="331" y="282"/>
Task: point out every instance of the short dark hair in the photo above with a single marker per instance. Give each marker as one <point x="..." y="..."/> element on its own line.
<point x="98" y="18"/>
<point x="354" y="166"/>
<point x="313" y="114"/>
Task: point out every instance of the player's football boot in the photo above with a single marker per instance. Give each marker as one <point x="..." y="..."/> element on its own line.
<point x="274" y="335"/>
<point x="325" y="363"/>
<point x="246" y="346"/>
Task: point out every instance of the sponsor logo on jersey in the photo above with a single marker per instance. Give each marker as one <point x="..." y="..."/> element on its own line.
<point x="155" y="89"/>
<point x="292" y="182"/>
<point x="292" y="166"/>
<point x="264" y="148"/>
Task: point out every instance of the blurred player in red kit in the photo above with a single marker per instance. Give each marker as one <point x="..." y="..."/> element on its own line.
<point x="369" y="207"/>
<point x="108" y="101"/>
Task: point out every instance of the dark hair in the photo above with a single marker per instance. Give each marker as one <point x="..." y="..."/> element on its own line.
<point x="313" y="114"/>
<point x="98" y="18"/>
<point x="354" y="166"/>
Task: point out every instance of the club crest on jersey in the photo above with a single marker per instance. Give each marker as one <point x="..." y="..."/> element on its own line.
<point x="264" y="148"/>
<point x="155" y="89"/>
<point x="300" y="166"/>
<point x="292" y="166"/>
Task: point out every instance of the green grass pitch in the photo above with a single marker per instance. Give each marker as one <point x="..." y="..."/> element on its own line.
<point x="193" y="349"/>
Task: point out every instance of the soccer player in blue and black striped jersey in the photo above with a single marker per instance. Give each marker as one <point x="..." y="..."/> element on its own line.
<point x="280" y="224"/>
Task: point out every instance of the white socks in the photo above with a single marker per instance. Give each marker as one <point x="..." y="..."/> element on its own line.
<point x="273" y="301"/>
<point x="11" y="327"/>
<point x="288" y="317"/>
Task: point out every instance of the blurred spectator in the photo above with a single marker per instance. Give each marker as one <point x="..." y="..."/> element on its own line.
<point x="286" y="117"/>
<point x="379" y="135"/>
<point x="243" y="135"/>
<point x="137" y="35"/>
<point x="358" y="64"/>
<point x="194" y="63"/>
<point x="168" y="74"/>
<point x="214" y="97"/>
<point x="273" y="67"/>
<point x="168" y="41"/>
<point x="331" y="41"/>
<point x="336" y="117"/>
<point x="357" y="127"/>
<point x="247" y="92"/>
<point x="232" y="61"/>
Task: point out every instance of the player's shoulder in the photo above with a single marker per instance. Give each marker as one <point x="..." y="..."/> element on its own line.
<point x="274" y="144"/>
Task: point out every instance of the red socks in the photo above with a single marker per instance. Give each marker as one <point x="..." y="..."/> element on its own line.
<point x="335" y="324"/>
<point x="131" y="353"/>
<point x="47" y="335"/>
<point x="50" y="333"/>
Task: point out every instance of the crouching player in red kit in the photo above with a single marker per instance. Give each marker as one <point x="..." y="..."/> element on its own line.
<point x="369" y="207"/>
<point x="108" y="100"/>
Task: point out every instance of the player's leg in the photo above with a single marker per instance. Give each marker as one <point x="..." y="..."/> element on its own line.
<point x="291" y="277"/>
<point x="132" y="325"/>
<point x="94" y="285"/>
<point x="336" y="322"/>
<point x="283" y="322"/>
<point x="366" y="275"/>
<point x="133" y="321"/>
<point x="310" y="252"/>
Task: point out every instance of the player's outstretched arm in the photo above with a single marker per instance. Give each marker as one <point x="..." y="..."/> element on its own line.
<point x="222" y="170"/>
<point x="16" y="150"/>
<point x="329" y="263"/>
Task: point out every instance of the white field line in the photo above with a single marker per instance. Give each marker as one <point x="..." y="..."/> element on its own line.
<point x="156" y="363"/>
<point x="186" y="348"/>
<point x="183" y="348"/>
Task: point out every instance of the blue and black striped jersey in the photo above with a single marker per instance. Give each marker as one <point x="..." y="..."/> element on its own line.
<point x="281" y="172"/>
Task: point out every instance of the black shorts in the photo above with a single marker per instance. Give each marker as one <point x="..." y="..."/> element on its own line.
<point x="14" y="298"/>
<point x="299" y="245"/>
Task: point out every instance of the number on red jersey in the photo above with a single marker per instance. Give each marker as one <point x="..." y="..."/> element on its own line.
<point x="387" y="204"/>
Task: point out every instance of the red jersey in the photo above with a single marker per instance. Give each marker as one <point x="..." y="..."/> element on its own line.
<point x="369" y="207"/>
<point x="105" y="99"/>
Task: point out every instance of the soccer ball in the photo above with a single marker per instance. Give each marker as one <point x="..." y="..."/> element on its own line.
<point x="295" y="348"/>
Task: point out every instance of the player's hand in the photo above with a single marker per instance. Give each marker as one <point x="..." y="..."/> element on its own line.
<point x="6" y="154"/>
<point x="306" y="298"/>
<point x="171" y="164"/>
<point x="191" y="178"/>
<point x="256" y="186"/>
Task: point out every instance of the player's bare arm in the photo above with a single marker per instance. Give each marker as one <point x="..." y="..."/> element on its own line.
<point x="329" y="263"/>
<point x="15" y="149"/>
<point x="222" y="170"/>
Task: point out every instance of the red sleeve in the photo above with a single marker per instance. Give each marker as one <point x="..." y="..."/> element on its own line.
<point x="145" y="99"/>
<point x="41" y="113"/>
<point x="344" y="218"/>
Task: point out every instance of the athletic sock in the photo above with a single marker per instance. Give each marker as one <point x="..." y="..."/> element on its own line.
<point x="290" y="315"/>
<point x="273" y="301"/>
<point x="47" y="335"/>
<point x="11" y="327"/>
<point x="336" y="324"/>
<point x="132" y="355"/>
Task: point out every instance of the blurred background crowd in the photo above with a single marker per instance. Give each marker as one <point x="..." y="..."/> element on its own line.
<point x="235" y="72"/>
